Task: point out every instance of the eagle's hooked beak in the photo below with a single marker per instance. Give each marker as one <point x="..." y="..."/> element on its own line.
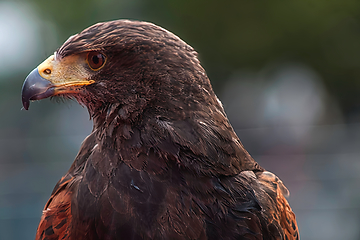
<point x="35" y="87"/>
<point x="56" y="77"/>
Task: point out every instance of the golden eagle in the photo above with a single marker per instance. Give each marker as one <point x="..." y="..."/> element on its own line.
<point x="162" y="161"/>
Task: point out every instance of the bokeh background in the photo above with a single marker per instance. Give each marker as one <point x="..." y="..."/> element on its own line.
<point x="287" y="72"/>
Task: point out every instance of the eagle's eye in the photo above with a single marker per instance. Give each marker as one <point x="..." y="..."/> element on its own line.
<point x="95" y="60"/>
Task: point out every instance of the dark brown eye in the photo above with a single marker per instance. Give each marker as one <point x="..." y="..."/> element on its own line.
<point x="95" y="60"/>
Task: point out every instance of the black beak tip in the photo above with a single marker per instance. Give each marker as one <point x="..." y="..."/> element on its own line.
<point x="26" y="103"/>
<point x="35" y="87"/>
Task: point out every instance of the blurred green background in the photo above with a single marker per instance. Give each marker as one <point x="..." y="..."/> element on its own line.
<point x="287" y="72"/>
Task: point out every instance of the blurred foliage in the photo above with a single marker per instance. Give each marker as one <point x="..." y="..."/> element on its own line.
<point x="231" y="35"/>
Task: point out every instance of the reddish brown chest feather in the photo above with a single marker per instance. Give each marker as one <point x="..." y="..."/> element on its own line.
<point x="56" y="218"/>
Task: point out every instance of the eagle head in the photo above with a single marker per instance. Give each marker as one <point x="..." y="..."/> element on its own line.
<point x="136" y="66"/>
